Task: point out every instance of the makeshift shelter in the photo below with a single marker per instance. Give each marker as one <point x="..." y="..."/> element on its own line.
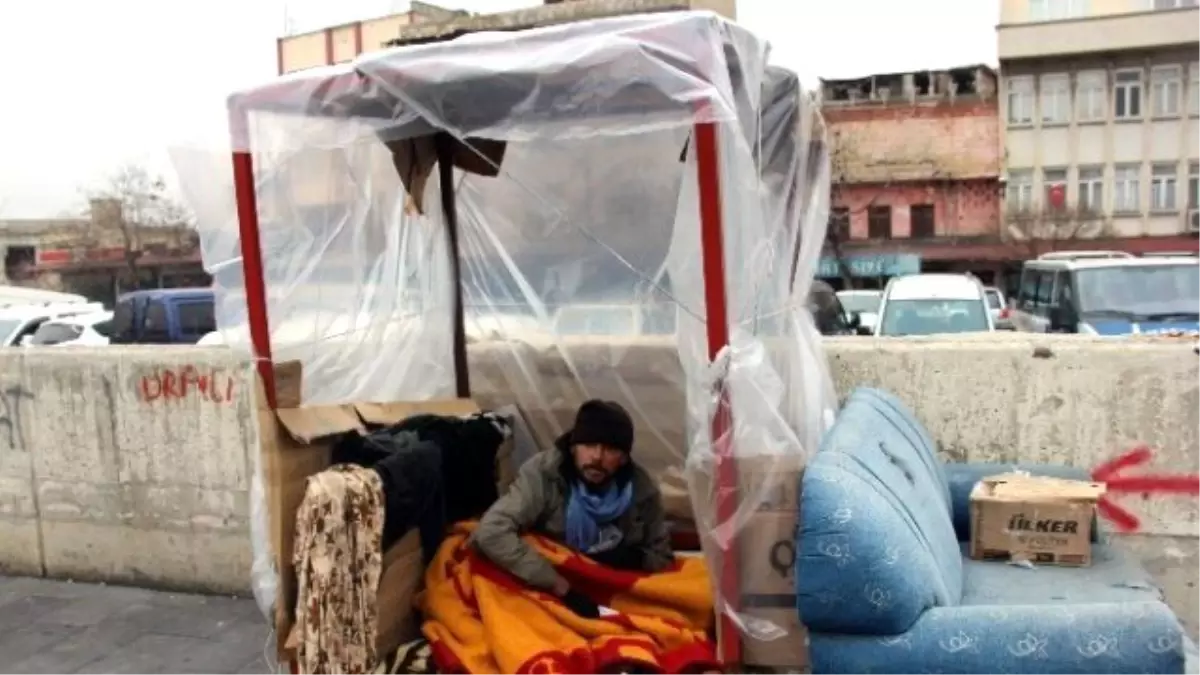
<point x="388" y="207"/>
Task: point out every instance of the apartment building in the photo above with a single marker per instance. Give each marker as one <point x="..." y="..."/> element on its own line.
<point x="1100" y="122"/>
<point x="916" y="168"/>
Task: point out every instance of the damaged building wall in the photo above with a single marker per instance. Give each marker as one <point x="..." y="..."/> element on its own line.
<point x="915" y="158"/>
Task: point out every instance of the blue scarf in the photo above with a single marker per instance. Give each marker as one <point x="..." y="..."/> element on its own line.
<point x="587" y="511"/>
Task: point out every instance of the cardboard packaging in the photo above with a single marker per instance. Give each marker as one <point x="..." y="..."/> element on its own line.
<point x="1037" y="519"/>
<point x="296" y="442"/>
<point x="766" y="547"/>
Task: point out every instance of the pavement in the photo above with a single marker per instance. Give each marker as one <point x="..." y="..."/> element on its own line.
<point x="64" y="627"/>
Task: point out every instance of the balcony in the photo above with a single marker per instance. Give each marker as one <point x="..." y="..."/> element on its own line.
<point x="1110" y="33"/>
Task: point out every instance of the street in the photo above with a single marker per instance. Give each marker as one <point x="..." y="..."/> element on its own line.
<point x="63" y="627"/>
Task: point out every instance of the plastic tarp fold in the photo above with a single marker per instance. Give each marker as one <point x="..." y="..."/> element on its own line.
<point x="575" y="185"/>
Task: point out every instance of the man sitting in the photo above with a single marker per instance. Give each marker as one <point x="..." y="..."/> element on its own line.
<point x="587" y="493"/>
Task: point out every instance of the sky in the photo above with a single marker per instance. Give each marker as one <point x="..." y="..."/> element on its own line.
<point x="94" y="85"/>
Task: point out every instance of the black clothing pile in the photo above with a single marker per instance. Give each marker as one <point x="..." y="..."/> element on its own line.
<point x="435" y="470"/>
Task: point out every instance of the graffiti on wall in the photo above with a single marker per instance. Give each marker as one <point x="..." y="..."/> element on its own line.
<point x="12" y="432"/>
<point x="187" y="383"/>
<point x="1117" y="481"/>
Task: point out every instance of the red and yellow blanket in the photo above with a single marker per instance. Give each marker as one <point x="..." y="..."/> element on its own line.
<point x="481" y="619"/>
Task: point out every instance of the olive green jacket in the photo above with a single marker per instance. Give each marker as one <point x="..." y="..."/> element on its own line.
<point x="537" y="502"/>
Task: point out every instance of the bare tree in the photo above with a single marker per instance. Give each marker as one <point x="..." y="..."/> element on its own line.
<point x="134" y="211"/>
<point x="838" y="231"/>
<point x="1041" y="230"/>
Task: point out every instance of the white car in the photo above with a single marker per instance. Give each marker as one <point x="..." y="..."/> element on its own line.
<point x="998" y="306"/>
<point x="18" y="324"/>
<point x="865" y="303"/>
<point x="932" y="304"/>
<point x="87" y="330"/>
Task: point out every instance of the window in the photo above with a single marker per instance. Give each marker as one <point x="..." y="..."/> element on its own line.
<point x="1037" y="288"/>
<point x="839" y="223"/>
<point x="1193" y="195"/>
<point x="1194" y="98"/>
<point x="1090" y="95"/>
<point x="922" y="221"/>
<point x="1052" y="10"/>
<point x="1019" y="193"/>
<point x="1045" y="289"/>
<point x="1162" y="187"/>
<point x="104" y="328"/>
<point x="51" y="333"/>
<point x="196" y="319"/>
<point x="879" y="222"/>
<point x="1125" y="190"/>
<point x="1127" y="94"/>
<point x="1166" y="90"/>
<point x="155" y="328"/>
<point x="1091" y="190"/>
<point x="1054" y="183"/>
<point x="1020" y="101"/>
<point x="1056" y="99"/>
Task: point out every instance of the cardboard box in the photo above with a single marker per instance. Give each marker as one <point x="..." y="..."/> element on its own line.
<point x="786" y="652"/>
<point x="296" y="442"/>
<point x="1033" y="518"/>
<point x="769" y="486"/>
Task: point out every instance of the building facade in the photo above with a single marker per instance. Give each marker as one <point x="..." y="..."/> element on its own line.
<point x="91" y="255"/>
<point x="427" y="22"/>
<point x="916" y="175"/>
<point x="1100" y="121"/>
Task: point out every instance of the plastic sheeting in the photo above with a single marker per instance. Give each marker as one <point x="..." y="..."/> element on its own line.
<point x="578" y="208"/>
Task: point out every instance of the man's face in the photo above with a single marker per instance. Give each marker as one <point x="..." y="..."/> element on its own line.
<point x="597" y="463"/>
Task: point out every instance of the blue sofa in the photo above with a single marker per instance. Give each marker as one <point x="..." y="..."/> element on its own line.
<point x="884" y="584"/>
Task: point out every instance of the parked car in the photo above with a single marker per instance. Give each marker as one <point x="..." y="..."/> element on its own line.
<point x="865" y="303"/>
<point x="85" y="330"/>
<point x="163" y="316"/>
<point x="830" y="316"/>
<point x="998" y="306"/>
<point x="19" y="323"/>
<point x="931" y="304"/>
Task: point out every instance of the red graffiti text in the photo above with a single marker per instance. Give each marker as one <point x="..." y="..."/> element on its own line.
<point x="171" y="384"/>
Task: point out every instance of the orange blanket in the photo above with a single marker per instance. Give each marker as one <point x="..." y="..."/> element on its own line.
<point x="481" y="619"/>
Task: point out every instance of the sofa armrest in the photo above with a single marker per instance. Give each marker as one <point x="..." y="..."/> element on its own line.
<point x="963" y="477"/>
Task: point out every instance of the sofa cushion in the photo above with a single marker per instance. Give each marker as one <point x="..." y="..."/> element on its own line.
<point x="1112" y="577"/>
<point x="875" y="546"/>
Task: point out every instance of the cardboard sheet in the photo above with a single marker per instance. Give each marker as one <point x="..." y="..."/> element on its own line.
<point x="296" y="443"/>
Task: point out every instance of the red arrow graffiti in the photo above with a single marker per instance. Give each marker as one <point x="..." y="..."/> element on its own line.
<point x="1110" y="474"/>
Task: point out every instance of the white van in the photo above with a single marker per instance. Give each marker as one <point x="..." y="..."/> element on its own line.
<point x="932" y="304"/>
<point x="1109" y="293"/>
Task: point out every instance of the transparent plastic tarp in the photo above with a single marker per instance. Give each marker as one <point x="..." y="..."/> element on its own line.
<point x="575" y="185"/>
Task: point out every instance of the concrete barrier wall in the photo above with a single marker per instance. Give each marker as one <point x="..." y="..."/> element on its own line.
<point x="126" y="465"/>
<point x="132" y="465"/>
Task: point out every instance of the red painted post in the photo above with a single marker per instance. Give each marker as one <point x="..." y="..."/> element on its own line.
<point x="712" y="244"/>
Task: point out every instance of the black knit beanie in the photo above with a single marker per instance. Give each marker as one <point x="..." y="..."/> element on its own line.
<point x="604" y="423"/>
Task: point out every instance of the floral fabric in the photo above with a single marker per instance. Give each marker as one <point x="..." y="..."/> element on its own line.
<point x="339" y="530"/>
